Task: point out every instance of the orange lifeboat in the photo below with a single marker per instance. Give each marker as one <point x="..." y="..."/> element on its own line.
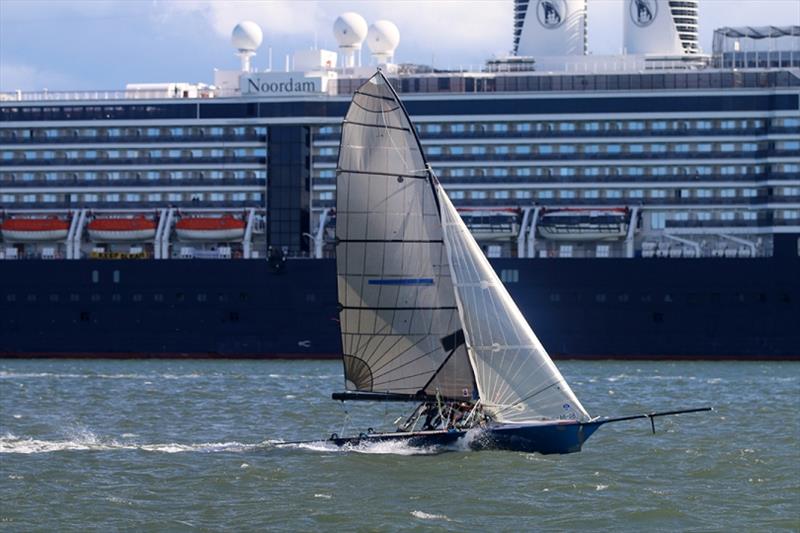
<point x="225" y="228"/>
<point x="122" y="229"/>
<point x="35" y="229"/>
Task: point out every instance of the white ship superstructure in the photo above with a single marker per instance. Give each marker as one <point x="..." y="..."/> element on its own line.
<point x="641" y="159"/>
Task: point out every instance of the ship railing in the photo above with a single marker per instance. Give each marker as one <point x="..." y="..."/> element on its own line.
<point x="583" y="178"/>
<point x="112" y="94"/>
<point x="140" y="182"/>
<point x="181" y="160"/>
<point x="108" y="139"/>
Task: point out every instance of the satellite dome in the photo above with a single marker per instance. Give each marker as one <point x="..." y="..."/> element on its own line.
<point x="246" y="36"/>
<point x="383" y="37"/>
<point x="350" y="30"/>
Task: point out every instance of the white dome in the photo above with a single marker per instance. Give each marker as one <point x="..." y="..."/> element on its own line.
<point x="246" y="36"/>
<point x="383" y="37"/>
<point x="350" y="29"/>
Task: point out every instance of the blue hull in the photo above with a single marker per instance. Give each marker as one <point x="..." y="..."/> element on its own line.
<point x="557" y="438"/>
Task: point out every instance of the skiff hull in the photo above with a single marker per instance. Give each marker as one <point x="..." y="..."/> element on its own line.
<point x="558" y="438"/>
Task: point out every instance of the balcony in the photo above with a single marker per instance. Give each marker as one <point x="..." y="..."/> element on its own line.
<point x="139" y="139"/>
<point x="146" y="183"/>
<point x="139" y="161"/>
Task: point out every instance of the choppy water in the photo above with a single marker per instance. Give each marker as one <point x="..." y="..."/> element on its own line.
<point x="193" y="445"/>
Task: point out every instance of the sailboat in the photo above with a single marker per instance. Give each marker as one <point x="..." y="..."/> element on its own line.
<point x="424" y="317"/>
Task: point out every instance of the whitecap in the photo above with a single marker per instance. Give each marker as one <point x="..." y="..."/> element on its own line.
<point x="428" y="516"/>
<point x="323" y="496"/>
<point x="87" y="441"/>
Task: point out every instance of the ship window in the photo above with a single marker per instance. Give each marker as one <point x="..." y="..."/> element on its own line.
<point x="116" y="298"/>
<point x="222" y="297"/>
<point x="509" y="275"/>
<point x="243" y="296"/>
<point x="647" y="298"/>
<point x="11" y="297"/>
<point x="116" y="276"/>
<point x="202" y="297"/>
<point x="600" y="298"/>
<point x="74" y="297"/>
<point x="623" y="297"/>
<point x="158" y="297"/>
<point x="233" y="316"/>
<point x="95" y="276"/>
<point x="84" y="316"/>
<point x="658" y="317"/>
<point x="54" y="297"/>
<point x="95" y="297"/>
<point x="136" y="298"/>
<point x="31" y="298"/>
<point x="179" y="296"/>
<point x="555" y="297"/>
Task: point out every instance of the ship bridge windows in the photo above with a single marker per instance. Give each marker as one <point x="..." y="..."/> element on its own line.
<point x="545" y="194"/>
<point x="727" y="216"/>
<point x="522" y="194"/>
<point x="727" y="193"/>
<point x="478" y="195"/>
<point x="456" y="195"/>
<point x="704" y="147"/>
<point x="29" y="198"/>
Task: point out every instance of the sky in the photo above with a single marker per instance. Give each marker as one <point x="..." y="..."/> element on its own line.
<point x="104" y="44"/>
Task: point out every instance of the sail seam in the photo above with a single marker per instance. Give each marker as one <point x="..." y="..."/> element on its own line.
<point x="380" y="126"/>
<point x="377" y="173"/>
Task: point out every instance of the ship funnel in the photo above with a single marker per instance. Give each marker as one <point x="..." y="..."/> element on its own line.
<point x="350" y="30"/>
<point x="546" y="28"/>
<point x="659" y="27"/>
<point x="246" y="37"/>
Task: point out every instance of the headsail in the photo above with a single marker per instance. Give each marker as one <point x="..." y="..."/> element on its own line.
<point x="401" y="331"/>
<point x="516" y="379"/>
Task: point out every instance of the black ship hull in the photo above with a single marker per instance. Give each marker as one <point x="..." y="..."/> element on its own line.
<point x="709" y="308"/>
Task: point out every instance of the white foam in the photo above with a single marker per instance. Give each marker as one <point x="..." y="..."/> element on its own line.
<point x="60" y="375"/>
<point x="87" y="441"/>
<point x="396" y="447"/>
<point x="428" y="516"/>
<point x="323" y="496"/>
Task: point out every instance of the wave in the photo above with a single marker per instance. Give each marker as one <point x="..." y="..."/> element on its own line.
<point x="428" y="516"/>
<point x="374" y="448"/>
<point x="13" y="375"/>
<point x="90" y="442"/>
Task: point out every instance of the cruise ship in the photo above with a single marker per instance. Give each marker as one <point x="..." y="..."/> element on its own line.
<point x="644" y="205"/>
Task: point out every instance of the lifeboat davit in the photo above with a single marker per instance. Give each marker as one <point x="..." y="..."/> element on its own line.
<point x="35" y="229"/>
<point x="122" y="229"/>
<point x="226" y="228"/>
<point x="575" y="224"/>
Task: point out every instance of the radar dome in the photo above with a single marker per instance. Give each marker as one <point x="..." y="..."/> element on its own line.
<point x="247" y="36"/>
<point x="350" y="30"/>
<point x="383" y="37"/>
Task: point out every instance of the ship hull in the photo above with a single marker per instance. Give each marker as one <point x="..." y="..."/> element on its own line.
<point x="709" y="308"/>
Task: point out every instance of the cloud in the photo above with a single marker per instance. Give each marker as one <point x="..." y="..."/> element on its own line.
<point x="448" y="31"/>
<point x="30" y="78"/>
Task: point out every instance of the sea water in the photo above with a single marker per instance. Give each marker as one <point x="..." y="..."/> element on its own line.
<point x="185" y="445"/>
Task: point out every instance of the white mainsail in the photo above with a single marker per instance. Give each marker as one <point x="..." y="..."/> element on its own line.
<point x="401" y="331"/>
<point x="517" y="381"/>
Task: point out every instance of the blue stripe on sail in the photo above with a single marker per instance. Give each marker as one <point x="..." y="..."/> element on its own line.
<point x="401" y="281"/>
